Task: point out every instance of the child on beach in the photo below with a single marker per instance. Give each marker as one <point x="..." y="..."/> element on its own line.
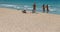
<point x="25" y="8"/>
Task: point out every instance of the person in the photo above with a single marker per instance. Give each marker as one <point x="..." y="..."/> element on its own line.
<point x="24" y="11"/>
<point x="43" y="8"/>
<point x="25" y="8"/>
<point x="34" y="8"/>
<point x="47" y="8"/>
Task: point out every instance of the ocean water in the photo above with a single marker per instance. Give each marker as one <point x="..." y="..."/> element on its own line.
<point x="54" y="5"/>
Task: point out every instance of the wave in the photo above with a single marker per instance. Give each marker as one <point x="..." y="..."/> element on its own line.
<point x="16" y="6"/>
<point x="9" y="6"/>
<point x="53" y="8"/>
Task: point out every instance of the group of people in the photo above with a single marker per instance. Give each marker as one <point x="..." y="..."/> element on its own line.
<point x="34" y="8"/>
<point x="47" y="8"/>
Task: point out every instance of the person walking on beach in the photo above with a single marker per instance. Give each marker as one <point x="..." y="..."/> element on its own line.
<point x="43" y="8"/>
<point x="47" y="8"/>
<point x="34" y="8"/>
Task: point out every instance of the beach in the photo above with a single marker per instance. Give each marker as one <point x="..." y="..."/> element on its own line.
<point x="12" y="20"/>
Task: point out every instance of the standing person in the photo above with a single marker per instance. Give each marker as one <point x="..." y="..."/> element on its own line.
<point x="34" y="8"/>
<point x="43" y="8"/>
<point x="47" y="8"/>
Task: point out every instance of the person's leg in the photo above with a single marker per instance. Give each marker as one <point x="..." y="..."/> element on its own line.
<point x="33" y="11"/>
<point x="47" y="11"/>
<point x="43" y="10"/>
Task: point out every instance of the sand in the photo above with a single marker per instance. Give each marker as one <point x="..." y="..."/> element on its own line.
<point x="15" y="21"/>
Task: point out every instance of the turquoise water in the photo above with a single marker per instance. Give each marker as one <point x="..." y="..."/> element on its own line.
<point x="54" y="5"/>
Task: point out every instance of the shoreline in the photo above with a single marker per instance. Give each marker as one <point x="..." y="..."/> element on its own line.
<point x="31" y="11"/>
<point x="20" y="7"/>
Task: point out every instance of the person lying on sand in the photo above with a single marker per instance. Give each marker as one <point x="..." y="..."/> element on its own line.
<point x="24" y="11"/>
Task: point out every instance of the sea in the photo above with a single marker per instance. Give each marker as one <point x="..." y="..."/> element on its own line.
<point x="54" y="5"/>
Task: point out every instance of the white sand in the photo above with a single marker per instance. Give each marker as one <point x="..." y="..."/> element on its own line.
<point x="16" y="21"/>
